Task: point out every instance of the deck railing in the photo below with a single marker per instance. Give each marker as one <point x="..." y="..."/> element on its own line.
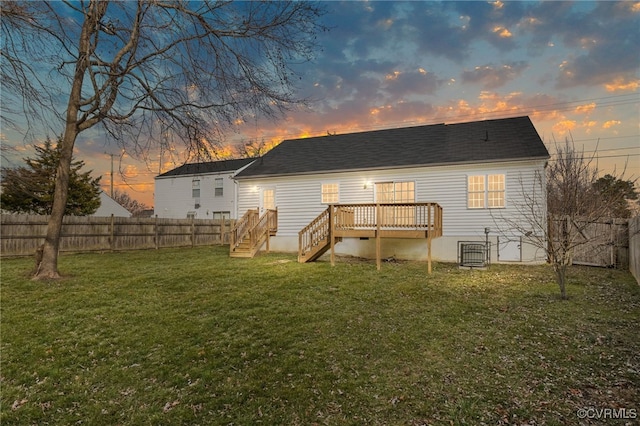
<point x="388" y="216"/>
<point x="243" y="225"/>
<point x="265" y="226"/>
<point x="314" y="234"/>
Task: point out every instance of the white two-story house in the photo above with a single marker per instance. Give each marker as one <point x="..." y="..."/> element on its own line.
<point x="199" y="190"/>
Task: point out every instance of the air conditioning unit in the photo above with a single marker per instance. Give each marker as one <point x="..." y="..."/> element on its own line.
<point x="473" y="254"/>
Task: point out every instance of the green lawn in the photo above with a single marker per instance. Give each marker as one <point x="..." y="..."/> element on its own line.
<point x="191" y="336"/>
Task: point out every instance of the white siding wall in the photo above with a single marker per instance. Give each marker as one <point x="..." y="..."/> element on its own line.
<point x="298" y="201"/>
<point x="173" y="196"/>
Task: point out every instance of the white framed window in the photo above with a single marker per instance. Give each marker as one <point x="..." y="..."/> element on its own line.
<point x="486" y="191"/>
<point x="195" y="188"/>
<point x="495" y="191"/>
<point x="219" y="187"/>
<point x="330" y="193"/>
<point x="221" y="215"/>
<point x="475" y="192"/>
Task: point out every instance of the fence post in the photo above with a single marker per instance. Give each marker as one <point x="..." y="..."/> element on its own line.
<point x="193" y="232"/>
<point x="112" y="243"/>
<point x="155" y="232"/>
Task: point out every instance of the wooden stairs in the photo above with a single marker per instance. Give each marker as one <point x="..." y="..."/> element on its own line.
<point x="315" y="239"/>
<point x="251" y="232"/>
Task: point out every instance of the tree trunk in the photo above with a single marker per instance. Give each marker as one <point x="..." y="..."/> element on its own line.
<point x="561" y="278"/>
<point x="48" y="266"/>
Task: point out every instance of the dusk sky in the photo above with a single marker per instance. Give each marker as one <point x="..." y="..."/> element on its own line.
<point x="574" y="68"/>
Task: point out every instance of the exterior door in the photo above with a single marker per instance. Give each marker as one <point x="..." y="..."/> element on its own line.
<point x="267" y="200"/>
<point x="397" y="193"/>
<point x="509" y="249"/>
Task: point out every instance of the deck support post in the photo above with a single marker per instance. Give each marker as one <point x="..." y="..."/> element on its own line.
<point x="430" y="230"/>
<point x="429" y="253"/>
<point x="378" y="241"/>
<point x="268" y="237"/>
<point x="332" y="234"/>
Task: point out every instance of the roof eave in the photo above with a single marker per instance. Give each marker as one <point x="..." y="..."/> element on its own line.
<point x="195" y="174"/>
<point x="411" y="166"/>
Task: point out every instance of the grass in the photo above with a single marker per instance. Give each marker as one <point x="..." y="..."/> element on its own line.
<point x="191" y="336"/>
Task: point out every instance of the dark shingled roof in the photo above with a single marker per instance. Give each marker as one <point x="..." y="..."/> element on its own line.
<point x="475" y="142"/>
<point x="208" y="167"/>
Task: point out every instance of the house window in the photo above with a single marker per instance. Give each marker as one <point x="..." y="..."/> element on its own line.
<point x="485" y="191"/>
<point x="330" y="194"/>
<point x="219" y="187"/>
<point x="397" y="193"/>
<point x="475" y="188"/>
<point x="195" y="188"/>
<point x="495" y="191"/>
<point x="221" y="215"/>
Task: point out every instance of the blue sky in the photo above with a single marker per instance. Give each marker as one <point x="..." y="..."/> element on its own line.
<point x="574" y="68"/>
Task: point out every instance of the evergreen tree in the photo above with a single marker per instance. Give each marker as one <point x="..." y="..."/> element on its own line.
<point x="30" y="188"/>
<point x="616" y="193"/>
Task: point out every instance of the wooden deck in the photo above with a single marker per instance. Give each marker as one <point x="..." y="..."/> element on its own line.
<point x="408" y="220"/>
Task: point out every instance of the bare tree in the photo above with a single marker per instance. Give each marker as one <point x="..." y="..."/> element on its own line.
<point x="252" y="148"/>
<point x="134" y="206"/>
<point x="557" y="209"/>
<point x="145" y="69"/>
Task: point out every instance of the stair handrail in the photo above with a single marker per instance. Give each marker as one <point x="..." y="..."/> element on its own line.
<point x="316" y="231"/>
<point x="267" y="223"/>
<point x="242" y="227"/>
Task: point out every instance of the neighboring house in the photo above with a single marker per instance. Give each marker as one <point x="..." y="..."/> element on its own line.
<point x="199" y="190"/>
<point x="477" y="172"/>
<point x="109" y="206"/>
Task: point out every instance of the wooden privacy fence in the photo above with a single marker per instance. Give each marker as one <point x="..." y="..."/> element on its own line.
<point x="603" y="242"/>
<point x="22" y="234"/>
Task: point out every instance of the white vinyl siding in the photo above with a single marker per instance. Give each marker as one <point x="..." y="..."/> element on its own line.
<point x="299" y="197"/>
